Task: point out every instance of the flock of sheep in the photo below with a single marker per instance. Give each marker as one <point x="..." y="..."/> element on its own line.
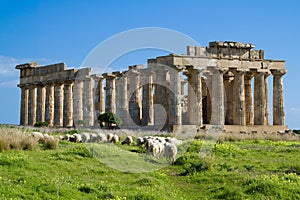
<point x="154" y="145"/>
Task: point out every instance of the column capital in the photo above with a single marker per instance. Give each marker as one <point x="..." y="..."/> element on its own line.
<point x="278" y="72"/>
<point x="109" y="76"/>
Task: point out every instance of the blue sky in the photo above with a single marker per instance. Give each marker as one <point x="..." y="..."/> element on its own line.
<point x="66" y="31"/>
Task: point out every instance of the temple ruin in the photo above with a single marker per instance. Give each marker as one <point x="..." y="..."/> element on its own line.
<point x="224" y="84"/>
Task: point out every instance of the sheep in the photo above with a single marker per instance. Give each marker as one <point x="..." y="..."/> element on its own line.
<point x="115" y="139"/>
<point x="139" y="141"/>
<point x="156" y="149"/>
<point x="94" y="138"/>
<point x="77" y="137"/>
<point x="48" y="137"/>
<point x="67" y="137"/>
<point x="170" y="151"/>
<point x="128" y="140"/>
<point x="148" y="143"/>
<point x="173" y="141"/>
<point x="38" y="135"/>
<point x="85" y="137"/>
<point x="109" y="137"/>
<point x="102" y="137"/>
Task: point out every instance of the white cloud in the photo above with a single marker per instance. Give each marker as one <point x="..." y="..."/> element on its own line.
<point x="293" y="110"/>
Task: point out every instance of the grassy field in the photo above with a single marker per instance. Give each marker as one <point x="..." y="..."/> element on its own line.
<point x="235" y="169"/>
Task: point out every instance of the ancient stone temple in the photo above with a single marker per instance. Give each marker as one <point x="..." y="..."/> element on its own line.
<point x="224" y="84"/>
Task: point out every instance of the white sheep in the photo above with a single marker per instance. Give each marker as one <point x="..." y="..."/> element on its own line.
<point x="115" y="139"/>
<point x="77" y="137"/>
<point x="170" y="151"/>
<point x="94" y="138"/>
<point x="102" y="137"/>
<point x="128" y="140"/>
<point x="85" y="137"/>
<point x="37" y="135"/>
<point x="109" y="137"/>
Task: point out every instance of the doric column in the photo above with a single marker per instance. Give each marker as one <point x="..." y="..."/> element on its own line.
<point x="239" y="98"/>
<point x="32" y="105"/>
<point x="88" y="102"/>
<point x="248" y="98"/>
<point x="195" y="97"/>
<point x="147" y="102"/>
<point x="24" y="106"/>
<point x="49" y="108"/>
<point x="101" y="96"/>
<point x="121" y="100"/>
<point x="78" y="102"/>
<point x="40" y="111"/>
<point x="267" y="114"/>
<point x="134" y="96"/>
<point x="175" y="97"/>
<point x="68" y="104"/>
<point x="217" y="97"/>
<point x="259" y="98"/>
<point x="278" y="97"/>
<point x="228" y="84"/>
<point x="110" y="88"/>
<point x="58" y="104"/>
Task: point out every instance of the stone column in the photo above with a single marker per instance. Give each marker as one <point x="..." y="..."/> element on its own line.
<point x="58" y="104"/>
<point x="88" y="102"/>
<point x="110" y="93"/>
<point x="68" y="104"/>
<point x="147" y="102"/>
<point x="49" y="108"/>
<point x="217" y="97"/>
<point x="175" y="97"/>
<point x="40" y="111"/>
<point x="267" y="114"/>
<point x="134" y="96"/>
<point x="248" y="98"/>
<point x="24" y="106"/>
<point x="239" y="98"/>
<point x="278" y="97"/>
<point x="101" y="96"/>
<point x="195" y="97"/>
<point x="183" y="83"/>
<point x="78" y="102"/>
<point x="32" y="106"/>
<point x="229" y="85"/>
<point x="259" y="98"/>
<point x="122" y="101"/>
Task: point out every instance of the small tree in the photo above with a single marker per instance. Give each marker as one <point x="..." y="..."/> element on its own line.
<point x="109" y="119"/>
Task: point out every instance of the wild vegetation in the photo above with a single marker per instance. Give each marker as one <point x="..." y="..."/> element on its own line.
<point x="235" y="167"/>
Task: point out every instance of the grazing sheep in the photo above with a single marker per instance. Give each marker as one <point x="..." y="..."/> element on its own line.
<point x="77" y="137"/>
<point x="139" y="141"/>
<point x="38" y="135"/>
<point x="94" y="138"/>
<point x="48" y="137"/>
<point x="148" y="143"/>
<point x="67" y="137"/>
<point x="173" y="141"/>
<point x="115" y="139"/>
<point x="85" y="137"/>
<point x="128" y="140"/>
<point x="170" y="152"/>
<point x="109" y="137"/>
<point x="102" y="137"/>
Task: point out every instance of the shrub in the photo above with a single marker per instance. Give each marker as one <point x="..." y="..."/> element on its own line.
<point x="109" y="119"/>
<point x="41" y="124"/>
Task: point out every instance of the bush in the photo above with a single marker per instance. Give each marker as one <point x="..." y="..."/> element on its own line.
<point x="41" y="124"/>
<point x="109" y="119"/>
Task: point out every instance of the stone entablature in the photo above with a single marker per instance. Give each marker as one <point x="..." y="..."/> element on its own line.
<point x="208" y="85"/>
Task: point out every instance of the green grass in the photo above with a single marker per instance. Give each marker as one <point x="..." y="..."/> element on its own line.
<point x="250" y="169"/>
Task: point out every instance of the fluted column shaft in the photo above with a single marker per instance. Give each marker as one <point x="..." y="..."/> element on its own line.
<point x="58" y="104"/>
<point x="78" y="102"/>
<point x="68" y="104"/>
<point x="267" y="114"/>
<point x="239" y="98"/>
<point x="147" y="102"/>
<point x="101" y="96"/>
<point x="32" y="106"/>
<point x="110" y="88"/>
<point x="40" y="112"/>
<point x="248" y="99"/>
<point x="278" y="98"/>
<point x="49" y="108"/>
<point x="134" y="96"/>
<point x="88" y="102"/>
<point x="217" y="98"/>
<point x="24" y="106"/>
<point x="175" y="98"/>
<point x="259" y="99"/>
<point x="195" y="97"/>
